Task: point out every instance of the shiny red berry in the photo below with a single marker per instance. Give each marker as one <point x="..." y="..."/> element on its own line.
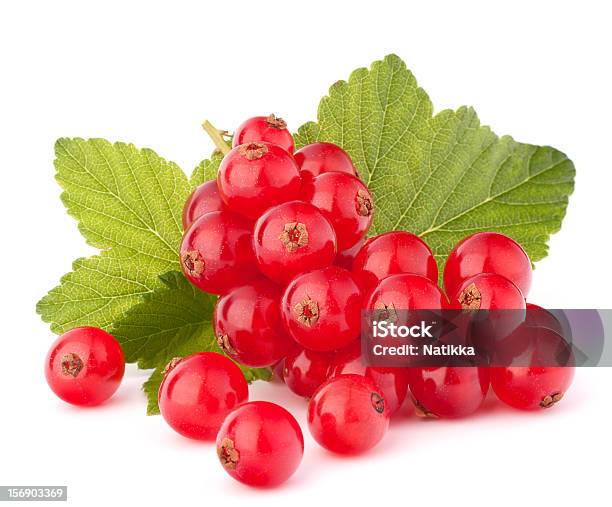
<point x="199" y="391"/>
<point x="85" y="366"/>
<point x="348" y="414"/>
<point x="405" y="292"/>
<point x="487" y="252"/>
<point x="292" y="238"/>
<point x="260" y="444"/>
<point x="531" y="388"/>
<point x="248" y="324"/>
<point x="322" y="309"/>
<point x="345" y="258"/>
<point x="305" y="370"/>
<point x="534" y="364"/>
<point x="217" y="252"/>
<point x="448" y="391"/>
<point x="270" y="129"/>
<point x="394" y="253"/>
<point x="488" y="291"/>
<point x="534" y="342"/>
<point x="257" y="175"/>
<point x="489" y="330"/>
<point x="204" y="199"/>
<point x="393" y="382"/>
<point x="318" y="158"/>
<point x="345" y="201"/>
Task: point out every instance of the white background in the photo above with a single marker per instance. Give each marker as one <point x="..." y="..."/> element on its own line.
<point x="149" y="73"/>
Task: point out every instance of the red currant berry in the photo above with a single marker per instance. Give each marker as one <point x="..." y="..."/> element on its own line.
<point x="322" y="309"/>
<point x="264" y="128"/>
<point x="305" y="370"/>
<point x="405" y="292"/>
<point x="448" y="391"/>
<point x="488" y="291"/>
<point x="348" y="414"/>
<point x="204" y="199"/>
<point x="249" y="327"/>
<point x="254" y="176"/>
<point x="393" y="253"/>
<point x="260" y="444"/>
<point x="291" y="238"/>
<point x="345" y="201"/>
<point x="345" y="258"/>
<point x="217" y="252"/>
<point x="199" y="391"/>
<point x="490" y="330"/>
<point x="318" y="158"/>
<point x="393" y="382"/>
<point x="534" y="342"/>
<point x="85" y="366"/>
<point x="531" y="388"/>
<point x="487" y="252"/>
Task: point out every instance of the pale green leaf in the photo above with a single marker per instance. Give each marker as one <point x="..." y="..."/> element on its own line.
<point x="128" y="203"/>
<point x="99" y="289"/>
<point x="440" y="176"/>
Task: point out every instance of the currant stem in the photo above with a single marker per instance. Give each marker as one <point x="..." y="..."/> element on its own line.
<point x="217" y="137"/>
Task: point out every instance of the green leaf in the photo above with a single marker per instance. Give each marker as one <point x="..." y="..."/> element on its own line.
<point x="206" y="170"/>
<point x="128" y="203"/>
<point x="99" y="289"/>
<point x="440" y="176"/>
<point x="172" y="321"/>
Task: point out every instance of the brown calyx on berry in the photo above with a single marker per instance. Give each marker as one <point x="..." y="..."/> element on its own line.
<point x="193" y="263"/>
<point x="421" y="411"/>
<point x="364" y="203"/>
<point x="228" y="454"/>
<point x="225" y="344"/>
<point x="470" y="297"/>
<point x="307" y="312"/>
<point x="171" y="365"/>
<point x="294" y="236"/>
<point x="72" y="365"/>
<point x="383" y="312"/>
<point x="378" y="402"/>
<point x="550" y="399"/>
<point x="253" y="150"/>
<point x="275" y="122"/>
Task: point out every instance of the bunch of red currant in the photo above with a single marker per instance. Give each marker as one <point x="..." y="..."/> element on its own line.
<point x="279" y="236"/>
